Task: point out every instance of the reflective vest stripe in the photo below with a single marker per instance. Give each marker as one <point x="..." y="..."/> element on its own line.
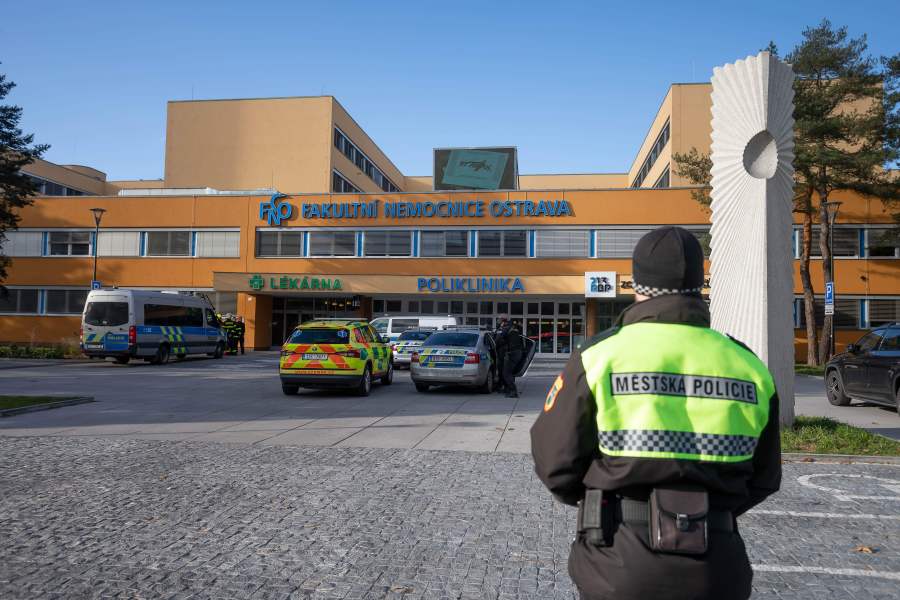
<point x="677" y="443"/>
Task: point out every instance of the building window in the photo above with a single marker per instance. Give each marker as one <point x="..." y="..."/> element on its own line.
<point x="279" y="243"/>
<point x="119" y="243"/>
<point x="362" y="162"/>
<point x="663" y="180"/>
<point x="882" y="243"/>
<point x="19" y="301"/>
<point x="387" y="243"/>
<point x="45" y="187"/>
<point x="563" y="243"/>
<point x="65" y="302"/>
<point x="507" y="242"/>
<point x="846" y="313"/>
<point x="22" y="243"/>
<point x="70" y="243"/>
<point x="225" y="244"/>
<point x="845" y="241"/>
<point x="618" y="243"/>
<point x="445" y="243"/>
<point x="655" y="150"/>
<point x="332" y="243"/>
<point x="168" y="243"/>
<point x="340" y="185"/>
<point x="884" y="311"/>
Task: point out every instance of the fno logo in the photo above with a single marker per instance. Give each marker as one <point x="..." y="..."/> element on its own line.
<point x="273" y="211"/>
<point x="600" y="284"/>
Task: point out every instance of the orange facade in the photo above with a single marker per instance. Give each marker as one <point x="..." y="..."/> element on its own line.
<point x="367" y="278"/>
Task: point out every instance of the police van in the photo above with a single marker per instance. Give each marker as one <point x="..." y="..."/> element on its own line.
<point x="153" y="326"/>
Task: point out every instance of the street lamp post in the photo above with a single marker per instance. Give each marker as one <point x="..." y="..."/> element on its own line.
<point x="98" y="215"/>
<point x="832" y="209"/>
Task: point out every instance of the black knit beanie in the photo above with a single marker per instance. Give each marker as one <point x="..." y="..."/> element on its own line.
<point x="668" y="260"/>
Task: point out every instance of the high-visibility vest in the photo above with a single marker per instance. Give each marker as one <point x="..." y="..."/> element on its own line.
<point x="677" y="391"/>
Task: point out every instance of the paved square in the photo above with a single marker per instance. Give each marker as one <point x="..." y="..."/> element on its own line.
<point x="201" y="480"/>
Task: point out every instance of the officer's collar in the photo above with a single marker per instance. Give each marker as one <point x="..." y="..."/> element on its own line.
<point x="671" y="308"/>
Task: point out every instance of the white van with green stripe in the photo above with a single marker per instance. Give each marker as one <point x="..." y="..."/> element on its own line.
<point x="153" y="326"/>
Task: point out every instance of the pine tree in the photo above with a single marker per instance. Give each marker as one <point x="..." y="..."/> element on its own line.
<point x="17" y="150"/>
<point x="847" y="132"/>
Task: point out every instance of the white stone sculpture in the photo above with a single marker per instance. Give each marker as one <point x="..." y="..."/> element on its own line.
<point x="752" y="274"/>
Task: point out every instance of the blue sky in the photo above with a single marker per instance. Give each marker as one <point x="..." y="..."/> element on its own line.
<point x="572" y="84"/>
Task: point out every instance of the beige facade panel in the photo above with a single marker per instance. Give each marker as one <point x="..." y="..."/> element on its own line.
<point x="662" y="115"/>
<point x="361" y="140"/>
<point x="81" y="178"/>
<point x="691" y="122"/>
<point x="281" y="143"/>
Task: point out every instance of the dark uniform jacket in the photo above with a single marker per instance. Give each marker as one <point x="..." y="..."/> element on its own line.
<point x="568" y="460"/>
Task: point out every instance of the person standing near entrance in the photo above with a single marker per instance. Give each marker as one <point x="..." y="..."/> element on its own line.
<point x="501" y="345"/>
<point x="240" y="329"/>
<point x="662" y="431"/>
<point x="515" y="350"/>
<point x="230" y="327"/>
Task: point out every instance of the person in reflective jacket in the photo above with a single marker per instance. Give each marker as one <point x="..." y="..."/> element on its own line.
<point x="656" y="412"/>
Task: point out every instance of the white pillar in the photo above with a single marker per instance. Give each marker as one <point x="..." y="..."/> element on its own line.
<point x="752" y="272"/>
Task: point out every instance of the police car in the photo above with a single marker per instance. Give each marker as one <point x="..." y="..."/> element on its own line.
<point x="461" y="356"/>
<point x="329" y="353"/>
<point x="407" y="343"/>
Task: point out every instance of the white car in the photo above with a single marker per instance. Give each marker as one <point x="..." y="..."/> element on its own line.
<point x="392" y="327"/>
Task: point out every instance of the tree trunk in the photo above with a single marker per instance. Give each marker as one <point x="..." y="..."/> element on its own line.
<point x="825" y="251"/>
<point x="809" y="299"/>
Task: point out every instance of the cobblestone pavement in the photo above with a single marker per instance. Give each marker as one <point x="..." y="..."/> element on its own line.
<point x="116" y="517"/>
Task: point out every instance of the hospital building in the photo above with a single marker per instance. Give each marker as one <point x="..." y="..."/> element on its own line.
<point x="285" y="209"/>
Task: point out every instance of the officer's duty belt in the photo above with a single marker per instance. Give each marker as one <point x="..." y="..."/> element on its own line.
<point x="638" y="512"/>
<point x="600" y="512"/>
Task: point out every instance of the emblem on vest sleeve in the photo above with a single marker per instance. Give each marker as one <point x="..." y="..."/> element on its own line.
<point x="555" y="389"/>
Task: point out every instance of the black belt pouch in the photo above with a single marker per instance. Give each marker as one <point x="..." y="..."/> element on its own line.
<point x="678" y="519"/>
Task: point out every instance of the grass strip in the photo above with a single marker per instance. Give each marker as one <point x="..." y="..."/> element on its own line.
<point x="20" y="401"/>
<point x="801" y="369"/>
<point x="820" y="435"/>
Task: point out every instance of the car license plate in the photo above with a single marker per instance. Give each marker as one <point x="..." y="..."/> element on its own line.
<point x="440" y="358"/>
<point x="315" y="357"/>
<point x="94" y="346"/>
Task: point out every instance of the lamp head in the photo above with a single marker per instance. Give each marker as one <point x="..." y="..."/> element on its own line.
<point x="98" y="214"/>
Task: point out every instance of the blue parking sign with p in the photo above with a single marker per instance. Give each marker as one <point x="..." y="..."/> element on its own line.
<point x="96" y="285"/>
<point x="829" y="292"/>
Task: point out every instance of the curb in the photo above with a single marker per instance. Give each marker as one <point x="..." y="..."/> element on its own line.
<point x="839" y="458"/>
<point x="30" y="363"/>
<point x="11" y="412"/>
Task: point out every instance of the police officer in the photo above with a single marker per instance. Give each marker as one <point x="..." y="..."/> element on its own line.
<point x="515" y="349"/>
<point x="240" y="329"/>
<point x="662" y="431"/>
<point x="500" y="343"/>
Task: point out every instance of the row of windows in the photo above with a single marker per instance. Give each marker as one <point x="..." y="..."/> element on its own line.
<point x="655" y="150"/>
<point x="49" y="188"/>
<point x="223" y="244"/>
<point x="506" y="243"/>
<point x="340" y="184"/>
<point x="34" y="301"/>
<point x="848" y="242"/>
<point x="452" y="243"/>
<point x="854" y="242"/>
<point x="358" y="158"/>
<point x="71" y="301"/>
<point x="852" y="313"/>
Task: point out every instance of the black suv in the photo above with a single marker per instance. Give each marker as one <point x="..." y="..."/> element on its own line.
<point x="869" y="370"/>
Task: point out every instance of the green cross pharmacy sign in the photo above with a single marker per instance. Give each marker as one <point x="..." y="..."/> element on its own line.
<point x="286" y="282"/>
